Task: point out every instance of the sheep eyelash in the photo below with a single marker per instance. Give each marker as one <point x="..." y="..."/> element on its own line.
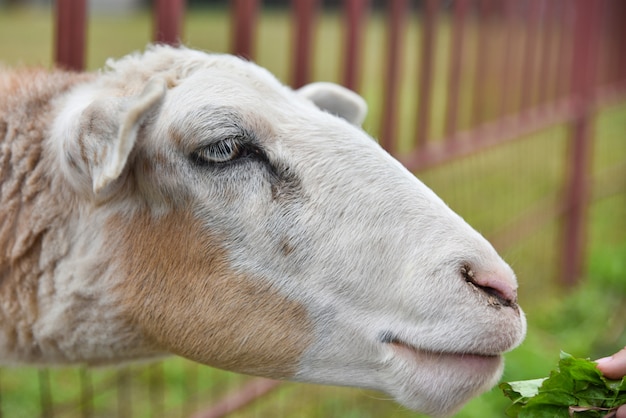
<point x="223" y="151"/>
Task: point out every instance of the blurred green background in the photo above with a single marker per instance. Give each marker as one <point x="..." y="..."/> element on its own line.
<point x="489" y="190"/>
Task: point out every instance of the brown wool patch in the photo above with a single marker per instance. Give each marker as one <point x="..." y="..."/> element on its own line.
<point x="180" y="290"/>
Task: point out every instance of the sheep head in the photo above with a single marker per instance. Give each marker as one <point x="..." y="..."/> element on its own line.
<point x="231" y="220"/>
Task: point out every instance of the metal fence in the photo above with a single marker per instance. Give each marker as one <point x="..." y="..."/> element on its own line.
<point x="511" y="68"/>
<point x="573" y="60"/>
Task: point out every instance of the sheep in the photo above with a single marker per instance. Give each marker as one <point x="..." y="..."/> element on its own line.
<point x="188" y="203"/>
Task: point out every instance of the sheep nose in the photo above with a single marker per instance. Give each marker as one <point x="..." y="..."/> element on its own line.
<point x="500" y="289"/>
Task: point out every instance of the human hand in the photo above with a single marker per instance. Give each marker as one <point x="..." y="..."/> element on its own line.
<point x="614" y="367"/>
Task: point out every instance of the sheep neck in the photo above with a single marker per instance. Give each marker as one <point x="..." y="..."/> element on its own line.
<point x="32" y="208"/>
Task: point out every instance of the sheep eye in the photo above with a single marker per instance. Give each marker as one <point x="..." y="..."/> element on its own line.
<point x="220" y="152"/>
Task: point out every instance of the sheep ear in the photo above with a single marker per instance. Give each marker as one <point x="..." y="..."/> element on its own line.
<point x="108" y="131"/>
<point x="337" y="100"/>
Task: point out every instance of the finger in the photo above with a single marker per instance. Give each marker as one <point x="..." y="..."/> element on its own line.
<point x="621" y="412"/>
<point x="614" y="367"/>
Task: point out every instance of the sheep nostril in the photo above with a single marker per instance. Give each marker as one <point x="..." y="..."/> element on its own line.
<point x="499" y="292"/>
<point x="499" y="297"/>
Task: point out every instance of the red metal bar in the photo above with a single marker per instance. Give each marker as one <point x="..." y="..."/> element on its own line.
<point x="483" y="25"/>
<point x="242" y="397"/>
<point x="305" y="12"/>
<point x="156" y="388"/>
<point x="603" y="65"/>
<point x="566" y="49"/>
<point x="507" y="67"/>
<point x="456" y="63"/>
<point x="71" y="16"/>
<point x="168" y="18"/>
<point x="555" y="75"/>
<point x="547" y="51"/>
<point x="427" y="64"/>
<point x="86" y="392"/>
<point x="577" y="187"/>
<point x="45" y="394"/>
<point x="355" y="12"/>
<point x="530" y="54"/>
<point x="501" y="131"/>
<point x="244" y="22"/>
<point x="395" y="30"/>
<point x="613" y="38"/>
<point x="620" y="16"/>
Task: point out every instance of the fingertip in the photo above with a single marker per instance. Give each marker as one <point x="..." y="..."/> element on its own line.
<point x="613" y="367"/>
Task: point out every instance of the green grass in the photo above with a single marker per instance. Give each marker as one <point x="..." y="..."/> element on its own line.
<point x="490" y="190"/>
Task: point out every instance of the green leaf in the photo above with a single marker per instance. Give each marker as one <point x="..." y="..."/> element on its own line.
<point x="575" y="389"/>
<point x="522" y="388"/>
<point x="544" y="411"/>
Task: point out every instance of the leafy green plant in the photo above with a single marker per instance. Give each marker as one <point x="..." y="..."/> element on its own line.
<point x="575" y="389"/>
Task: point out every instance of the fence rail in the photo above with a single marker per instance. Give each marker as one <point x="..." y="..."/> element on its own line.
<point x="572" y="59"/>
<point x="561" y="81"/>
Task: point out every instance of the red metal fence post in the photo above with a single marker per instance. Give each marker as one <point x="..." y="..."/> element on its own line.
<point x="531" y="46"/>
<point x="456" y="62"/>
<point x="244" y="19"/>
<point x="621" y="71"/>
<point x="355" y="12"/>
<point x="547" y="35"/>
<point x="510" y="23"/>
<point x="71" y="16"/>
<point x="427" y="63"/>
<point x="483" y="26"/>
<point x="168" y="17"/>
<point x="305" y="12"/>
<point x="395" y="28"/>
<point x="566" y="47"/>
<point x="577" y="186"/>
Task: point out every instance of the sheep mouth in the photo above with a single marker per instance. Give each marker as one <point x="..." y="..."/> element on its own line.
<point x="473" y="360"/>
<point x="435" y="381"/>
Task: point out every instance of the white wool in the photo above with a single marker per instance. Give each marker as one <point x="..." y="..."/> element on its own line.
<point x="304" y="251"/>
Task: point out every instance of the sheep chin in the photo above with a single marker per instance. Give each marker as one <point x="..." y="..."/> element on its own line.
<point x="439" y="384"/>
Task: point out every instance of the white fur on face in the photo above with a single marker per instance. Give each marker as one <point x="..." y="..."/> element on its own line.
<point x="400" y="294"/>
<point x="338" y="225"/>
